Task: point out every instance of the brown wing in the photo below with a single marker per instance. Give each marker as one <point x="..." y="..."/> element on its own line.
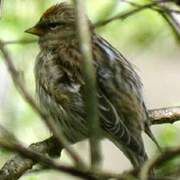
<point x="121" y="105"/>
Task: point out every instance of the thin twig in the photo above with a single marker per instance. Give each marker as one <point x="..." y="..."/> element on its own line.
<point x="49" y="122"/>
<point x="164" y="115"/>
<point x="155" y="8"/>
<point x="158" y="161"/>
<point x="45" y="161"/>
<point x="18" y="165"/>
<point x="1" y="7"/>
<point x="167" y="14"/>
<point x="126" y="14"/>
<point x="172" y="22"/>
<point x="90" y="83"/>
<point x="20" y="41"/>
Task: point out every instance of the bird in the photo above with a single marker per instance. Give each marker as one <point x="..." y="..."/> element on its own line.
<point x="60" y="84"/>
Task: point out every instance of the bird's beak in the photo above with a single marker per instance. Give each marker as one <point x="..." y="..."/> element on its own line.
<point x="35" y="31"/>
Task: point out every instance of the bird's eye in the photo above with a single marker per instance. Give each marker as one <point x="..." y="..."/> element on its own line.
<point x="53" y="25"/>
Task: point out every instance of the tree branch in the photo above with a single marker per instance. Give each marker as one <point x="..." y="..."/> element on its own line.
<point x="1" y="7"/>
<point x="126" y="14"/>
<point x="90" y="83"/>
<point x="158" y="161"/>
<point x="18" y="165"/>
<point x="166" y="12"/>
<point x="35" y="157"/>
<point x="164" y="115"/>
<point x="20" y="41"/>
<point x="27" y="157"/>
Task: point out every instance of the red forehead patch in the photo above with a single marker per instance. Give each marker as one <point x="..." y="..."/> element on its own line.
<point x="57" y="8"/>
<point x="51" y="10"/>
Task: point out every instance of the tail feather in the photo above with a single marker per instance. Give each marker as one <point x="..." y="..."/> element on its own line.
<point x="151" y="136"/>
<point x="148" y="130"/>
<point x="136" y="160"/>
<point x="126" y="138"/>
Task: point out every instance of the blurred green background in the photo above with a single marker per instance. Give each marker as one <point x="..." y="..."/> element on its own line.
<point x="144" y="38"/>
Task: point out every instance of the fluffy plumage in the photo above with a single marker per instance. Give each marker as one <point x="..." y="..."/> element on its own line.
<point x="60" y="84"/>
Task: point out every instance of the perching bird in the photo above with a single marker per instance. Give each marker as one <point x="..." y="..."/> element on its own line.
<point x="60" y="84"/>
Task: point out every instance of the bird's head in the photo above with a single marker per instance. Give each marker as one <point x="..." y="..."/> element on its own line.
<point x="56" y="23"/>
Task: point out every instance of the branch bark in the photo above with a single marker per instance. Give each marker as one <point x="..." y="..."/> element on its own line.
<point x="164" y="115"/>
<point x="18" y="165"/>
<point x="90" y="83"/>
<point x="35" y="157"/>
